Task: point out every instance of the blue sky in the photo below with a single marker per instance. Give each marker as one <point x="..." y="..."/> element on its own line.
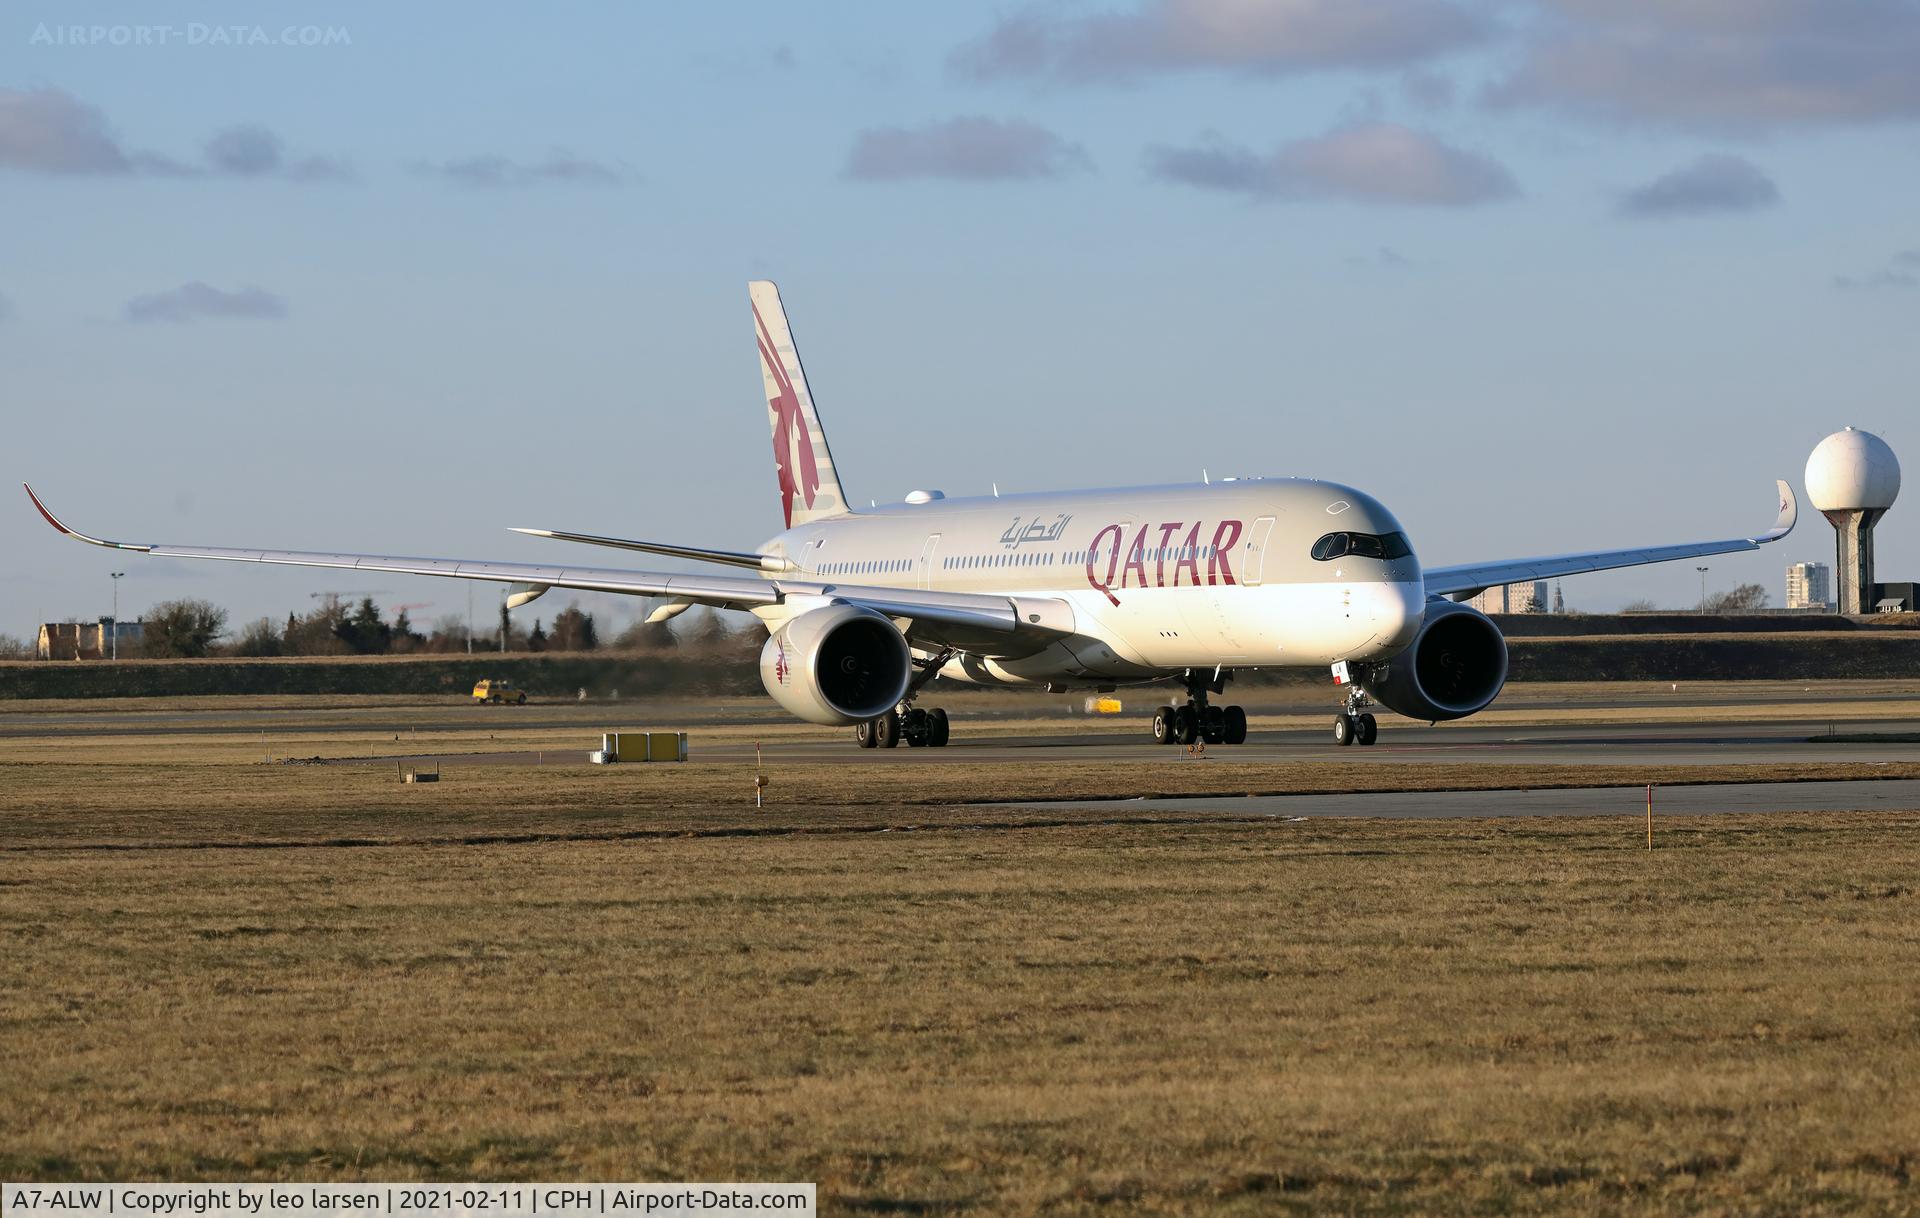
<point x="1541" y="274"/>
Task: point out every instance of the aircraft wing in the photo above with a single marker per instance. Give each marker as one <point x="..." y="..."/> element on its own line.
<point x="963" y="620"/>
<point x="1463" y="581"/>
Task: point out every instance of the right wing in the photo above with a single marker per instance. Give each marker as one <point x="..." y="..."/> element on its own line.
<point x="964" y="620"/>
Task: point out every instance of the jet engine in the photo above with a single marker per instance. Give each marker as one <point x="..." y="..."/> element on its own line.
<point x="1454" y="667"/>
<point x="837" y="665"/>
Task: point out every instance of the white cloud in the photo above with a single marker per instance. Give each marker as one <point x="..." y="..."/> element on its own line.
<point x="1716" y="182"/>
<point x="1370" y="162"/>
<point x="1723" y="64"/>
<point x="195" y="300"/>
<point x="969" y="148"/>
<point x="1259" y="36"/>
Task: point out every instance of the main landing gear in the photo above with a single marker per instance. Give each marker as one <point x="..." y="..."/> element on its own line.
<point x="1198" y="720"/>
<point x="919" y="728"/>
<point x="1355" y="726"/>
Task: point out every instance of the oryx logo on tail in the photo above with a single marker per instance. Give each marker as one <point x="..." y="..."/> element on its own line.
<point x="809" y="489"/>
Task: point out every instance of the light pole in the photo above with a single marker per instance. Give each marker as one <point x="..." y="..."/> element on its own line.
<point x="115" y="577"/>
<point x="1703" y="588"/>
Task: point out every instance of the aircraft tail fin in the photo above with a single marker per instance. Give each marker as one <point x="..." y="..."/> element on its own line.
<point x="809" y="487"/>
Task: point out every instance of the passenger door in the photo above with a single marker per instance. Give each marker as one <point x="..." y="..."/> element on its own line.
<point x="928" y="557"/>
<point x="1253" y="559"/>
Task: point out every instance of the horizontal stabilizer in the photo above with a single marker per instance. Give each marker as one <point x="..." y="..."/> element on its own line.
<point x="730" y="558"/>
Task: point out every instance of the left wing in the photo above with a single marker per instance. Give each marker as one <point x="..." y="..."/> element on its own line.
<point x="964" y="620"/>
<point x="1464" y="581"/>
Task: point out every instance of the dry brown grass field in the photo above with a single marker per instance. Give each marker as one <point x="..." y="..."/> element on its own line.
<point x="933" y="1007"/>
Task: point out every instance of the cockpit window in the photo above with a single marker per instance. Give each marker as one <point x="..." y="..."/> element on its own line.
<point x="1386" y="546"/>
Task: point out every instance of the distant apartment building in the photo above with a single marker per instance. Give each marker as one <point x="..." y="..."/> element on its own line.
<point x="1527" y="597"/>
<point x="88" y="640"/>
<point x="1809" y="586"/>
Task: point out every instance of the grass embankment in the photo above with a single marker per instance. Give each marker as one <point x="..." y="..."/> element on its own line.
<point x="134" y="807"/>
<point x="1862" y="654"/>
<point x="1471" y="1017"/>
<point x="218" y="969"/>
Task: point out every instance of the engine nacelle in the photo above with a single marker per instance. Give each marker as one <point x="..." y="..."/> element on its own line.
<point x="1454" y="667"/>
<point x="837" y="665"/>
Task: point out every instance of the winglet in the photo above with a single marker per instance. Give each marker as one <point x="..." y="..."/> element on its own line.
<point x="75" y="533"/>
<point x="1789" y="514"/>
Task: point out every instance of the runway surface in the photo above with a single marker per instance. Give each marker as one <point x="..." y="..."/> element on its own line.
<point x="1892" y="795"/>
<point x="1012" y="733"/>
<point x="1401" y="743"/>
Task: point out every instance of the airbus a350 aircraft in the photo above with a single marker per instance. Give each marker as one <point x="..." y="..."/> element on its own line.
<point x="1102" y="588"/>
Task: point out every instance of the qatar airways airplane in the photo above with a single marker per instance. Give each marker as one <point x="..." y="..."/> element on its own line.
<point x="1093" y="589"/>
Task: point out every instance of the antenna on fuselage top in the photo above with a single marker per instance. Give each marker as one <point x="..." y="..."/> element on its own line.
<point x="1203" y="477"/>
<point x="996" y="490"/>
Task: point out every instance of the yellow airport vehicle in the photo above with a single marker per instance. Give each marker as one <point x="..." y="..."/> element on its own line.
<point x="497" y="693"/>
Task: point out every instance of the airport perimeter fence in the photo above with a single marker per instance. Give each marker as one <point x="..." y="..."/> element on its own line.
<point x="550" y="677"/>
<point x="1570" y="625"/>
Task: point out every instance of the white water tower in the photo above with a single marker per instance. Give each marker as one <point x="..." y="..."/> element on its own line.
<point x="1852" y="478"/>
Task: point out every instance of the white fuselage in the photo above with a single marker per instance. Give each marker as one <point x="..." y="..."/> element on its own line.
<point x="1159" y="579"/>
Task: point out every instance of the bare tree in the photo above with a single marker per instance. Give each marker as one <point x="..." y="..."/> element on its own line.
<point x="573" y="631"/>
<point x="1747" y="598"/>
<point x="260" y="638"/>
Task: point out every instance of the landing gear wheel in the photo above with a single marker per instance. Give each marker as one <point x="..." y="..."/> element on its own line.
<point x="886" y="730"/>
<point x="913" y="728"/>
<point x="1366" y="730"/>
<point x="1164" y="726"/>
<point x="1186" y="725"/>
<point x="937" y="728"/>
<point x="864" y="734"/>
<point x="1213" y="725"/>
<point x="1343" y="730"/>
<point x="1236" y="725"/>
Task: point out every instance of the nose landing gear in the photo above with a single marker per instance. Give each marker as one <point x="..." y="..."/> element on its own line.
<point x="1354" y="725"/>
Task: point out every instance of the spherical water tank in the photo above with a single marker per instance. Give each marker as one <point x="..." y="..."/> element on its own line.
<point x="1851" y="470"/>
